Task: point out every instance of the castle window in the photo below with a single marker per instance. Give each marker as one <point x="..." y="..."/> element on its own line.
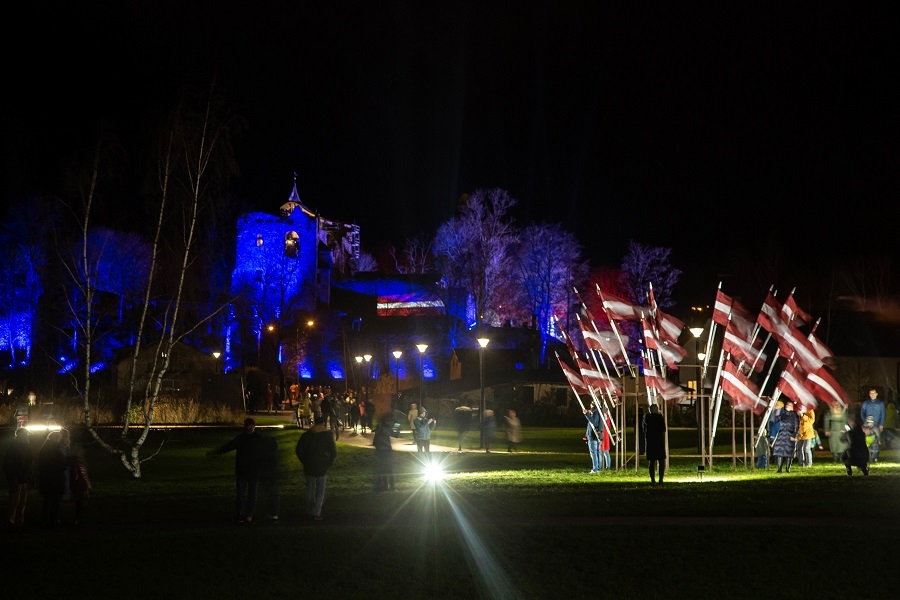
<point x="259" y="240"/>
<point x="291" y="244"/>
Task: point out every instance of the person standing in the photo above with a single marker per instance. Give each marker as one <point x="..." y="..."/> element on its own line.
<point x="488" y="429"/>
<point x="593" y="433"/>
<point x="835" y="424"/>
<point x="873" y="407"/>
<point x="411" y="417"/>
<point x="605" y="461"/>
<point x="462" y="419"/>
<point x="422" y="427"/>
<point x="513" y="430"/>
<point x="805" y="435"/>
<point x="317" y="451"/>
<point x="17" y="465"/>
<point x="786" y="440"/>
<point x="655" y="433"/>
<point x="249" y="447"/>
<point x="773" y="427"/>
<point x="51" y="470"/>
<point x="384" y="455"/>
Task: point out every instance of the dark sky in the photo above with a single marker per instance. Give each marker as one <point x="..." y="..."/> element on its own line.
<point x="714" y="131"/>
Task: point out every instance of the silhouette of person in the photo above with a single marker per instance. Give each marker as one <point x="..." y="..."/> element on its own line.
<point x="513" y="430"/>
<point x="51" y="470"/>
<point x="655" y="432"/>
<point x="249" y="450"/>
<point x="317" y="451"/>
<point x="857" y="454"/>
<point x="384" y="454"/>
<point x="17" y="465"/>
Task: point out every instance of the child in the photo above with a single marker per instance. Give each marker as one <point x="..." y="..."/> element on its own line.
<point x="873" y="438"/>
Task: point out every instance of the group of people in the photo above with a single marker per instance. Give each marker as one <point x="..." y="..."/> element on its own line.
<point x="60" y="471"/>
<point x="853" y="438"/>
<point x="341" y="411"/>
<point x="464" y="420"/>
<point x="256" y="465"/>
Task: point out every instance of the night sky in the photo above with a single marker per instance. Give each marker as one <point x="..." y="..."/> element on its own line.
<point x="714" y="131"/>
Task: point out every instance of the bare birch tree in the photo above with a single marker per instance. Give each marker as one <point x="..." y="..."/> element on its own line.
<point x="192" y="150"/>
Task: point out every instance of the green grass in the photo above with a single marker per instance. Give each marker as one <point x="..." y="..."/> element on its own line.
<point x="532" y="524"/>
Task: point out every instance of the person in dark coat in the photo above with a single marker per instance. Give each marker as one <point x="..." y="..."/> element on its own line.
<point x="17" y="468"/>
<point x="249" y="447"/>
<point x="384" y="454"/>
<point x="51" y="469"/>
<point x="654" y="427"/>
<point x="317" y="451"/>
<point x="488" y="429"/>
<point x="857" y="454"/>
<point x="786" y="439"/>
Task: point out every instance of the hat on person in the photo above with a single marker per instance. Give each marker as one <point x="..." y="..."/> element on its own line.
<point x="779" y="404"/>
<point x="423" y="411"/>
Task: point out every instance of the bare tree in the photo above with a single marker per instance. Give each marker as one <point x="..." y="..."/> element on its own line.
<point x="550" y="267"/>
<point x="191" y="151"/>
<point x="646" y="265"/>
<point x="415" y="257"/>
<point x="474" y="250"/>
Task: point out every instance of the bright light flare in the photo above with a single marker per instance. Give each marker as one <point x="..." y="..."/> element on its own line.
<point x="433" y="472"/>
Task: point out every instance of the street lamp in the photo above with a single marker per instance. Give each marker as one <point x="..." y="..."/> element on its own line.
<point x="697" y="332"/>
<point x="397" y="355"/>
<point x="422" y="348"/>
<point x="216" y="356"/>
<point x="482" y="344"/>
<point x="367" y="358"/>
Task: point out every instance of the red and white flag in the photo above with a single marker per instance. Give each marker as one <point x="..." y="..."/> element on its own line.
<point x="770" y="317"/>
<point x="793" y="314"/>
<point x="821" y="350"/>
<point x="792" y="384"/>
<point x="668" y="327"/>
<point x="602" y="341"/>
<point x="573" y="377"/>
<point x="744" y="393"/>
<point x="596" y="379"/>
<point x="792" y="342"/>
<point x="665" y="388"/>
<point x="671" y="353"/>
<point x="726" y="306"/>
<point x="741" y="349"/>
<point x="622" y="310"/>
<point x="826" y="388"/>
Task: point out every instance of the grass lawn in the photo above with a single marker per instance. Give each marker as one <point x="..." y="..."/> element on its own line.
<point x="532" y="524"/>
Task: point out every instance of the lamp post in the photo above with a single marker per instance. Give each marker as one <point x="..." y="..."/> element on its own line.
<point x="397" y="354"/>
<point x="482" y="344"/>
<point x="422" y="348"/>
<point x="367" y="358"/>
<point x="216" y="356"/>
<point x="697" y="332"/>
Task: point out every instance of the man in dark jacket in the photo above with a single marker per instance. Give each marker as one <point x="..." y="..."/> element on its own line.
<point x="655" y="431"/>
<point x="317" y="451"/>
<point x="250" y="452"/>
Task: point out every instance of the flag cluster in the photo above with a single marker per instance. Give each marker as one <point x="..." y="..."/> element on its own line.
<point x="805" y="378"/>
